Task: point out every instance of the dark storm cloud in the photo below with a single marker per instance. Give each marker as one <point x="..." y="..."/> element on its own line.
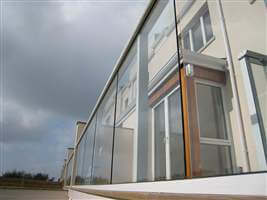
<point x="57" y="58"/>
<point x="63" y="50"/>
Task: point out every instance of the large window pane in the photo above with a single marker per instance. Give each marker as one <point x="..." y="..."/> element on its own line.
<point x="104" y="137"/>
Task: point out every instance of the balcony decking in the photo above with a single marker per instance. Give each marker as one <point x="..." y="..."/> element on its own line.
<point x="21" y="194"/>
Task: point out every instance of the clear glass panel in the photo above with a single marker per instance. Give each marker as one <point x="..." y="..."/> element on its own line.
<point x="197" y="36"/>
<point x="210" y="112"/>
<point x="88" y="152"/>
<point x="254" y="39"/>
<point x="176" y="135"/>
<point x="213" y="119"/>
<point x="126" y="97"/>
<point x="259" y="74"/>
<point x="255" y="68"/>
<point x="161" y="37"/>
<point x="80" y="161"/>
<point x="158" y="78"/>
<point x="83" y="157"/>
<point x="69" y="171"/>
<point x="125" y="125"/>
<point x="215" y="160"/>
<point x="104" y="137"/>
<point x="160" y="140"/>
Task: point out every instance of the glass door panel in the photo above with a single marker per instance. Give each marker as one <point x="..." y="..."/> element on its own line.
<point x="160" y="149"/>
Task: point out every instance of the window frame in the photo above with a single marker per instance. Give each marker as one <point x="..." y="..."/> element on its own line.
<point x="198" y="18"/>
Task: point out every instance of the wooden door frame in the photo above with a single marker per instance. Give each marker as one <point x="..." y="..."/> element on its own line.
<point x="190" y="115"/>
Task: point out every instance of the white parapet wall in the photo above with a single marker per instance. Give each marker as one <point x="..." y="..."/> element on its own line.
<point x="250" y="184"/>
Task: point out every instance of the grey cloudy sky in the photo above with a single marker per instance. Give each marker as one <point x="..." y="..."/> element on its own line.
<point x="56" y="57"/>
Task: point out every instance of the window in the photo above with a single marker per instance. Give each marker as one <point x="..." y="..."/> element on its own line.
<point x="207" y="26"/>
<point x="187" y="41"/>
<point x="197" y="36"/>
<point x="201" y="31"/>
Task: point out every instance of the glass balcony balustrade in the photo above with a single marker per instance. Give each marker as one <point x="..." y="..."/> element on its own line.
<point x="164" y="117"/>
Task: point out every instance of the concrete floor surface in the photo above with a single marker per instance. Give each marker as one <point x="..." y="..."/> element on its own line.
<point x="20" y="194"/>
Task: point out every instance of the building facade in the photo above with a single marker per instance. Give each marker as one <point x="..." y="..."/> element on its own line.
<point x="187" y="99"/>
